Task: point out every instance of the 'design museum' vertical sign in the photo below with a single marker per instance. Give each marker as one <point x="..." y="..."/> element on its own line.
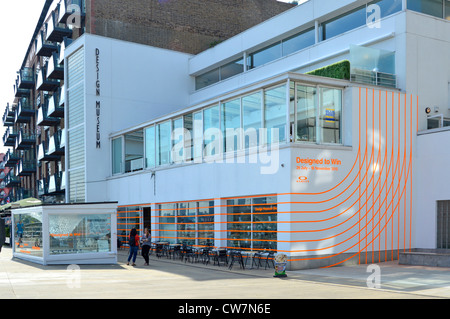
<point x="97" y="93"/>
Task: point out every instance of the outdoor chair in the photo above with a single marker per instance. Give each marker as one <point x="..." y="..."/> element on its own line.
<point x="269" y="259"/>
<point x="236" y="256"/>
<point x="256" y="260"/>
<point x="205" y="255"/>
<point x="220" y="255"/>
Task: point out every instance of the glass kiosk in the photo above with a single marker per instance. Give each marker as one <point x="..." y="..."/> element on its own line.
<point x="66" y="233"/>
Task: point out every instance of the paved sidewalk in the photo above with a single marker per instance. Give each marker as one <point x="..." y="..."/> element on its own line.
<point x="173" y="279"/>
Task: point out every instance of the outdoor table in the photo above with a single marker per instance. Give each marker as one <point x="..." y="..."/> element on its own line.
<point x="159" y="248"/>
<point x="220" y="253"/>
<point x="174" y="249"/>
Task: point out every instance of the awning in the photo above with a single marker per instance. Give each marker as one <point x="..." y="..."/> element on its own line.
<point x="21" y="203"/>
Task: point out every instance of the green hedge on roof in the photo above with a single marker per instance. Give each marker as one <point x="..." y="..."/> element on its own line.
<point x="338" y="70"/>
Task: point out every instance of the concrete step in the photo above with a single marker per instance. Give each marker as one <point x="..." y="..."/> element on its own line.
<point x="425" y="257"/>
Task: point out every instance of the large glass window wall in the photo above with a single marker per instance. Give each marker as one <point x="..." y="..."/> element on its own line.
<point x="127" y="218"/>
<point x="190" y="223"/>
<point x="28" y="234"/>
<point x="252" y="223"/>
<point x="350" y="20"/>
<point x="252" y="120"/>
<point x="134" y="151"/>
<point x="79" y="233"/>
<point x="435" y="8"/>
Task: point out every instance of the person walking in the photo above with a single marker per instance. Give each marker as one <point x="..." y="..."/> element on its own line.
<point x="146" y="243"/>
<point x="133" y="242"/>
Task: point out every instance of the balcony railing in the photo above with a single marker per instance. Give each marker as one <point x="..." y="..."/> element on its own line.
<point x="56" y="31"/>
<point x="25" y="140"/>
<point x="44" y="47"/>
<point x="11" y="159"/>
<point x="18" y="92"/>
<point x="26" y="167"/>
<point x="373" y="78"/>
<point x="55" y="109"/>
<point x="24" y="110"/>
<point x="56" y="183"/>
<point x="10" y="136"/>
<point x="437" y="121"/>
<point x="42" y="186"/>
<point x="54" y="69"/>
<point x="64" y="44"/>
<point x="44" y="83"/>
<point x="57" y="143"/>
<point x="44" y="154"/>
<point x="26" y="78"/>
<point x="8" y="116"/>
<point x="11" y="180"/>
<point x="43" y="119"/>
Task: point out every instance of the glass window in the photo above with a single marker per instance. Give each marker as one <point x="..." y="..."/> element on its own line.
<point x="299" y="41"/>
<point x="264" y="56"/>
<point x="344" y="23"/>
<point x="79" y="233"/>
<point x="127" y="219"/>
<point x="306" y="113"/>
<point x="186" y="223"/>
<point x="388" y="7"/>
<point x="431" y="7"/>
<point x="252" y="223"/>
<point x="206" y="79"/>
<point x="211" y="131"/>
<point x="239" y="223"/>
<point x="198" y="136"/>
<point x="167" y="222"/>
<point x="188" y="137"/>
<point x="231" y="69"/>
<point x="206" y="222"/>
<point x="150" y="147"/>
<point x="330" y="115"/>
<point x="163" y="143"/>
<point x="275" y="114"/>
<point x="28" y="234"/>
<point x="134" y="151"/>
<point x="264" y="223"/>
<point x="447" y="10"/>
<point x="231" y="124"/>
<point x="117" y="155"/>
<point x="251" y="121"/>
<point x="177" y="140"/>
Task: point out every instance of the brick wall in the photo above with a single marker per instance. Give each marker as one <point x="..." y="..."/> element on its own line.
<point x="183" y="25"/>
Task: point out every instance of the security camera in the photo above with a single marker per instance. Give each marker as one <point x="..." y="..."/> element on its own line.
<point x="427" y="110"/>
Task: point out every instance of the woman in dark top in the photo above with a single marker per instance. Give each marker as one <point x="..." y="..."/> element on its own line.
<point x="133" y="242"/>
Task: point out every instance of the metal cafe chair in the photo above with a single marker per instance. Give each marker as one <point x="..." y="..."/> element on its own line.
<point x="159" y="249"/>
<point x="205" y="255"/>
<point x="176" y="251"/>
<point x="220" y="255"/>
<point x="269" y="259"/>
<point x="256" y="260"/>
<point x="187" y="252"/>
<point x="236" y="256"/>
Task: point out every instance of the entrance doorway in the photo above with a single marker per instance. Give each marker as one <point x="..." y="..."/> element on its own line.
<point x="146" y="212"/>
